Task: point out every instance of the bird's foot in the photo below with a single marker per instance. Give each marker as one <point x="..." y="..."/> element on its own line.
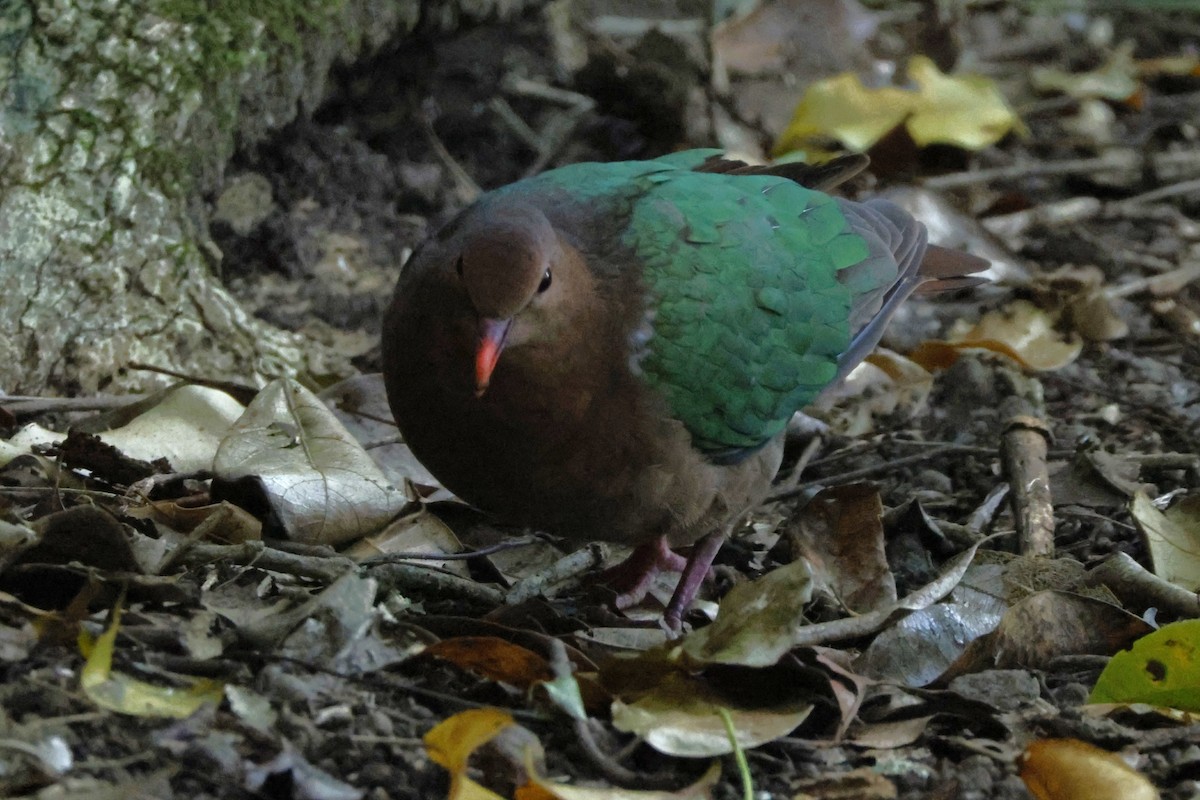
<point x="631" y="579"/>
<point x="694" y="573"/>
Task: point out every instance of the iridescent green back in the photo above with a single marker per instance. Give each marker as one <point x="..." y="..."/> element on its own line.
<point x="741" y="284"/>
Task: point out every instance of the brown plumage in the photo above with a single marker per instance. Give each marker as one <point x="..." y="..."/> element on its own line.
<point x="525" y="346"/>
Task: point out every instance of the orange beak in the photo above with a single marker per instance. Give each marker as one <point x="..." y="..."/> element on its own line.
<point x="492" y="333"/>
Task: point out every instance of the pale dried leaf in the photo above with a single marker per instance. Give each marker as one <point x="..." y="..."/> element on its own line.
<point x="319" y="482"/>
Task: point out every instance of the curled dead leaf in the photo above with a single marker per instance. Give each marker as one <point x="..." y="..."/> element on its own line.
<point x="1022" y="331"/>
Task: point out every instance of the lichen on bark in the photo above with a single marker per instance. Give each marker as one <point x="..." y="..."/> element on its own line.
<point x="116" y="116"/>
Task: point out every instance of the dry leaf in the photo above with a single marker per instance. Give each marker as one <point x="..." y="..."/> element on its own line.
<point x="1116" y="79"/>
<point x="679" y="717"/>
<point x="885" y="387"/>
<point x="451" y="742"/>
<point x="421" y="534"/>
<point x="290" y="450"/>
<point x="963" y="110"/>
<point x="840" y="534"/>
<point x="842" y="109"/>
<point x="1068" y="769"/>
<point x="756" y="623"/>
<point x="493" y="658"/>
<point x="124" y="694"/>
<point x="914" y="650"/>
<point x="1045" y="626"/>
<point x="759" y="622"/>
<point x="1173" y="538"/>
<point x="1022" y="331"/>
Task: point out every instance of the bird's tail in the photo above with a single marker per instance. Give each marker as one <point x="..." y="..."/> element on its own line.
<point x="943" y="270"/>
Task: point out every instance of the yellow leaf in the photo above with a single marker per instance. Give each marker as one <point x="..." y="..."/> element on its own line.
<point x="842" y="108"/>
<point x="1161" y="669"/>
<point x="127" y="695"/>
<point x="451" y="742"/>
<point x="963" y="110"/>
<point x="1069" y="769"/>
<point x="1116" y="79"/>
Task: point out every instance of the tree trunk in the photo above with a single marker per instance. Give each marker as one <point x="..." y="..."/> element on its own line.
<point x="116" y="118"/>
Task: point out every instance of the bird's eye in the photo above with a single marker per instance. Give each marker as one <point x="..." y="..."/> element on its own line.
<point x="458" y="266"/>
<point x="545" y="284"/>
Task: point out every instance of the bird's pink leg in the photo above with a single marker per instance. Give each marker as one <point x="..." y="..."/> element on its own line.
<point x="631" y="578"/>
<point x="694" y="573"/>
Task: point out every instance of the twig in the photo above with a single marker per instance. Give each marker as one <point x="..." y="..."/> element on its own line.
<point x="617" y="25"/>
<point x="1163" y="284"/>
<point x="866" y="472"/>
<point x="321" y="568"/>
<point x="58" y="489"/>
<point x="581" y="560"/>
<point x="1025" y="442"/>
<point x="1112" y="160"/>
<point x="1165" y="460"/>
<point x="1161" y="193"/>
<point x="1063" y="212"/>
<point x="531" y="88"/>
<point x="810" y="450"/>
<point x="507" y="544"/>
<point x="211" y="525"/>
<point x="464" y="185"/>
<point x="550" y="142"/>
<point x="407" y="578"/>
<point x="518" y="126"/>
<point x="611" y="770"/>
<point x="238" y="391"/>
<point x="1136" y="587"/>
<point x="29" y="404"/>
<point x="1183" y="164"/>
<point x="982" y="517"/>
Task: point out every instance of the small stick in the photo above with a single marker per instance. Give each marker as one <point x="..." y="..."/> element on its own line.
<point x="1161" y="193"/>
<point x="255" y="553"/>
<point x="29" y="404"/>
<point x="1163" y="284"/>
<point x="507" y="544"/>
<point x="1128" y="160"/>
<point x="806" y="457"/>
<point x="407" y="577"/>
<point x="573" y="564"/>
<point x="465" y="186"/>
<point x="866" y="472"/>
<point x="1025" y="442"/>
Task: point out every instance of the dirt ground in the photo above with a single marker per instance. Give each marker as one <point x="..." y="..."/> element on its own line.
<point x="1090" y="215"/>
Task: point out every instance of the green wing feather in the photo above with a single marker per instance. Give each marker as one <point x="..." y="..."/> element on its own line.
<point x="749" y="315"/>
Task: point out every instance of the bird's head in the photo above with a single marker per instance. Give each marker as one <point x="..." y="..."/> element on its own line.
<point x="516" y="273"/>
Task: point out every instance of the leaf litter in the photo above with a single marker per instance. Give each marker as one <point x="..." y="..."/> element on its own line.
<point x="218" y="523"/>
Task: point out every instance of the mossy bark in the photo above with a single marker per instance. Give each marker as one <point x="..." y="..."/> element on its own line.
<point x="116" y="118"/>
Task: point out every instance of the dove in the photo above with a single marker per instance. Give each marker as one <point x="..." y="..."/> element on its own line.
<point x="612" y="351"/>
